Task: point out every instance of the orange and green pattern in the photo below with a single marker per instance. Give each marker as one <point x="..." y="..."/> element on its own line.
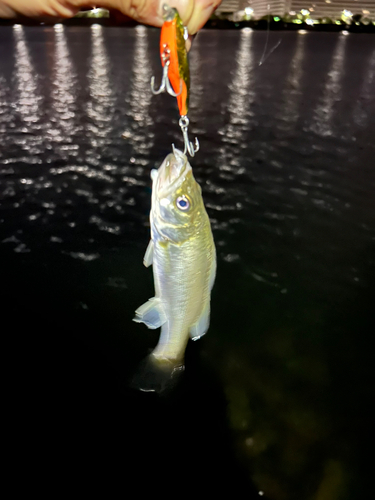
<point x="172" y="37"/>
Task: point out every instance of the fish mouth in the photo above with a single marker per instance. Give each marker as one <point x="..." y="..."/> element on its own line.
<point x="171" y="170"/>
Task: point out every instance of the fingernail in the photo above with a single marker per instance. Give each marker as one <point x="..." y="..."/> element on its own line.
<point x="189" y="42"/>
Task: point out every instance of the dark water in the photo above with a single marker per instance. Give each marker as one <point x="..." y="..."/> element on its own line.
<point x="277" y="397"/>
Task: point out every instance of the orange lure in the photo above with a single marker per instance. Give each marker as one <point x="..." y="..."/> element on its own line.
<point x="176" y="76"/>
<point x="173" y="52"/>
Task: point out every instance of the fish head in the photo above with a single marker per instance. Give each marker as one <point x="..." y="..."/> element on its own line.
<point x="177" y="204"/>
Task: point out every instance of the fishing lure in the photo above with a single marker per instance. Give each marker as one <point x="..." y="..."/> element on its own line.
<point x="176" y="75"/>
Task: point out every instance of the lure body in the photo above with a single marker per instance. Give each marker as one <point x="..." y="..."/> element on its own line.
<point x="173" y="52"/>
<point x="176" y="76"/>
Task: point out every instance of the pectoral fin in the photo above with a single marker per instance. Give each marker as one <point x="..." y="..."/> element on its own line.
<point x="201" y="326"/>
<point x="149" y="255"/>
<point x="151" y="314"/>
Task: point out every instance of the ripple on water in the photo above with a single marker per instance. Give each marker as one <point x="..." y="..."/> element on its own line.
<point x="87" y="257"/>
<point x="286" y="169"/>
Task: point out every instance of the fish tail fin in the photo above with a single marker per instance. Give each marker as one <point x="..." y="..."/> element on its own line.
<point x="157" y="375"/>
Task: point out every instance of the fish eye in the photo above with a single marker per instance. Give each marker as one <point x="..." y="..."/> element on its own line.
<point x="183" y="203"/>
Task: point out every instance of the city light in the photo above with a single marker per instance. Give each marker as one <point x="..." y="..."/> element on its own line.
<point x="247" y="13"/>
<point x="346" y="16"/>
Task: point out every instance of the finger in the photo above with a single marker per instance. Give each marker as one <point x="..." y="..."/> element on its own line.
<point x="144" y="11"/>
<point x="189" y="42"/>
<point x="37" y="8"/>
<point x="194" y="13"/>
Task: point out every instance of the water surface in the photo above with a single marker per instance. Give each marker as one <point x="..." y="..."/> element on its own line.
<point x="276" y="397"/>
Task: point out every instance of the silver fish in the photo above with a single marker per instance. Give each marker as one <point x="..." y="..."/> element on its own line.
<point x="182" y="253"/>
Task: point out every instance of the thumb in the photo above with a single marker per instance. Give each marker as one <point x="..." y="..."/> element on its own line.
<point x="194" y="13"/>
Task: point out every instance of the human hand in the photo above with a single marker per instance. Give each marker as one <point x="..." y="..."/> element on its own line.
<point x="194" y="13"/>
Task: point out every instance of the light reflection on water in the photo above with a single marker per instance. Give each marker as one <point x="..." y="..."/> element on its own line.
<point x="63" y="90"/>
<point x="291" y="95"/>
<point x="29" y="101"/>
<point x="292" y="219"/>
<point x="241" y="98"/>
<point x="323" y="113"/>
<point x="139" y="99"/>
<point x="5" y="115"/>
<point x="361" y="112"/>
<point x="233" y="136"/>
<point x="101" y="106"/>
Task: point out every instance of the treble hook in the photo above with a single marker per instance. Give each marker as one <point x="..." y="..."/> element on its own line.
<point x="188" y="145"/>
<point x="165" y="83"/>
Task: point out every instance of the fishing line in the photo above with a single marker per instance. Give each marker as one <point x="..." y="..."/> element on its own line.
<point x="264" y="56"/>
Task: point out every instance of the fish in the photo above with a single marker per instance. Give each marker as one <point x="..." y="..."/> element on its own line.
<point x="183" y="257"/>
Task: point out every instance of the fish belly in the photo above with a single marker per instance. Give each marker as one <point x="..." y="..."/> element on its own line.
<point x="181" y="275"/>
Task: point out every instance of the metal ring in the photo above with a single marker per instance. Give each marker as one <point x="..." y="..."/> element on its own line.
<point x="184" y="121"/>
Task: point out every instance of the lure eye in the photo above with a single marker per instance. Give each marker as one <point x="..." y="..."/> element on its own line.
<point x="183" y="203"/>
